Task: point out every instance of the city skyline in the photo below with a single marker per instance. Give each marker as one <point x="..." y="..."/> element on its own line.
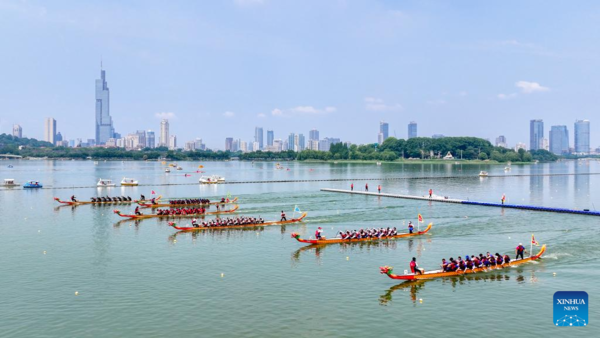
<point x="291" y="89"/>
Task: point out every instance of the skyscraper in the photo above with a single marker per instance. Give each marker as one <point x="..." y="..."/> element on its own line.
<point x="142" y="139"/>
<point x="501" y="141"/>
<point x="291" y="141"/>
<point x="50" y="130"/>
<point x="582" y="137"/>
<point x="383" y="131"/>
<point x="301" y="142"/>
<point x="104" y="125"/>
<point x="313" y="135"/>
<point x="258" y="137"/>
<point x="269" y="138"/>
<point x="164" y="133"/>
<point x="412" y="129"/>
<point x="536" y="134"/>
<point x="172" y="142"/>
<point x="150" y="139"/>
<point x="559" y="140"/>
<point x="229" y="144"/>
<point x="17" y="131"/>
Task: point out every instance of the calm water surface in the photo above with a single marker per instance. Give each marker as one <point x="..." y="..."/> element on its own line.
<point x="145" y="279"/>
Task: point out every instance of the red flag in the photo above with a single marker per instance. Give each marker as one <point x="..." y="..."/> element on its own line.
<point x="420" y="218"/>
<point x="533" y="241"/>
<point x="153" y="193"/>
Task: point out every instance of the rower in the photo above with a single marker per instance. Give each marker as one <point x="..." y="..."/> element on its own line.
<point x="444" y="264"/>
<point x="142" y="197"/>
<point x="410" y="227"/>
<point x="283" y="218"/>
<point x="414" y="267"/>
<point x="195" y="223"/>
<point x="137" y="211"/>
<point x="520" y="250"/>
<point x="73" y="198"/>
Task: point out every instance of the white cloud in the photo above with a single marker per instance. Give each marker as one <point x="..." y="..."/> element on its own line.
<point x="247" y="3"/>
<point x="229" y="114"/>
<point x="377" y="104"/>
<point x="302" y="110"/>
<point x="531" y="87"/>
<point x="463" y="93"/>
<point x="506" y="96"/>
<point x="165" y="115"/>
<point x="261" y="115"/>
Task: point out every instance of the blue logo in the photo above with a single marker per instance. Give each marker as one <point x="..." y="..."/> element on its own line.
<point x="570" y="308"/>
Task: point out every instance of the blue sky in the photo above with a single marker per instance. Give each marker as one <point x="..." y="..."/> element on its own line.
<point x="220" y="68"/>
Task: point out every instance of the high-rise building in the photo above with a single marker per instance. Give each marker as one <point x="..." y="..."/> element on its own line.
<point x="189" y="146"/>
<point x="104" y="125"/>
<point x="301" y="142"/>
<point x="582" y="137"/>
<point x="164" y="133"/>
<point x="277" y="145"/>
<point x="313" y="135"/>
<point x="501" y="141"/>
<point x="313" y="145"/>
<point x="172" y="142"/>
<point x="229" y="144"/>
<point x="17" y="131"/>
<point x="141" y="139"/>
<point x="270" y="138"/>
<point x="150" y="139"/>
<point x="50" y="130"/>
<point x="291" y="142"/>
<point x="520" y="145"/>
<point x="536" y="134"/>
<point x="383" y="132"/>
<point x="255" y="146"/>
<point x="258" y="137"/>
<point x="559" y="140"/>
<point x="412" y="129"/>
<point x="58" y="138"/>
<point x="199" y="145"/>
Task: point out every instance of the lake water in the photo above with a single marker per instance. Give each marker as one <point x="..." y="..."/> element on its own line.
<point x="144" y="279"/>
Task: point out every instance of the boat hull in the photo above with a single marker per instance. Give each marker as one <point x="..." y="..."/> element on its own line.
<point x="339" y="240"/>
<point x="294" y="220"/>
<point x="177" y="216"/>
<point x="166" y="205"/>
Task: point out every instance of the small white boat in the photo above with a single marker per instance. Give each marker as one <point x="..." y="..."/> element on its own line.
<point x="167" y="170"/>
<point x="179" y="168"/>
<point x="506" y="168"/>
<point x="378" y="163"/>
<point x="483" y="174"/>
<point x="129" y="182"/>
<point x="95" y="162"/>
<point x="105" y="183"/>
<point x="214" y="179"/>
<point x="9" y="182"/>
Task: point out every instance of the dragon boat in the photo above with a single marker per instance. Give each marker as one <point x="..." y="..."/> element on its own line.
<point x="388" y="270"/>
<point x="91" y="202"/>
<point x="175" y="215"/>
<point x="339" y="240"/>
<point x="251" y="225"/>
<point x="145" y="204"/>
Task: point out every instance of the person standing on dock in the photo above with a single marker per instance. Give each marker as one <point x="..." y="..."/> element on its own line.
<point x="366" y="186"/>
<point x="351" y="186"/>
<point x="503" y="198"/>
<point x="520" y="250"/>
<point x="410" y="227"/>
<point x="283" y="216"/>
<point x="379" y="188"/>
<point x="318" y="233"/>
<point x="430" y="193"/>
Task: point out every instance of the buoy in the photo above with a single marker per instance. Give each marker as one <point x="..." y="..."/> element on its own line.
<point x="76" y="293"/>
<point x="420" y="300"/>
<point x="222" y="275"/>
<point x="554" y="273"/>
<point x="44" y="252"/>
<point x="39" y="231"/>
<point x="347" y="258"/>
<point x="174" y="241"/>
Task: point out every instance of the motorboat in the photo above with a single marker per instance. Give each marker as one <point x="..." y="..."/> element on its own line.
<point x="483" y="174"/>
<point x="167" y="170"/>
<point x="105" y="183"/>
<point x="129" y="182"/>
<point x="179" y="168"/>
<point x="32" y="185"/>
<point x="378" y="163"/>
<point x="9" y="182"/>
<point x="213" y="179"/>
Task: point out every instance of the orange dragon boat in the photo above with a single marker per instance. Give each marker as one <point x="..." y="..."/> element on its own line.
<point x="251" y="225"/>
<point x="176" y="216"/>
<point x="339" y="240"/>
<point x="96" y="202"/>
<point x="388" y="270"/>
<point x="145" y="204"/>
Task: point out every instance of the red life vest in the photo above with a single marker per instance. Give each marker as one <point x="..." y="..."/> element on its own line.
<point x="413" y="265"/>
<point x="520" y="248"/>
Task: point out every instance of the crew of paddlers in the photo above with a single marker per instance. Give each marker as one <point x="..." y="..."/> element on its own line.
<point x="472" y="262"/>
<point x="190" y="201"/>
<point x="223" y="222"/>
<point x="369" y="233"/>
<point x="110" y="199"/>
<point x="181" y="211"/>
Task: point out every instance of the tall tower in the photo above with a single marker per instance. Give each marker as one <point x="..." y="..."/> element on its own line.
<point x="582" y="137"/>
<point x="164" y="133"/>
<point x="50" y="130"/>
<point x="559" y="140"/>
<point x="258" y="137"/>
<point x="536" y="134"/>
<point x="412" y="129"/>
<point x="17" y="131"/>
<point x="313" y="135"/>
<point x="104" y="125"/>
<point x="384" y="128"/>
<point x="269" y="138"/>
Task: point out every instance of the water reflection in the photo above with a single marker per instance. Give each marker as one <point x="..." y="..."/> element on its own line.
<point x="345" y="247"/>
